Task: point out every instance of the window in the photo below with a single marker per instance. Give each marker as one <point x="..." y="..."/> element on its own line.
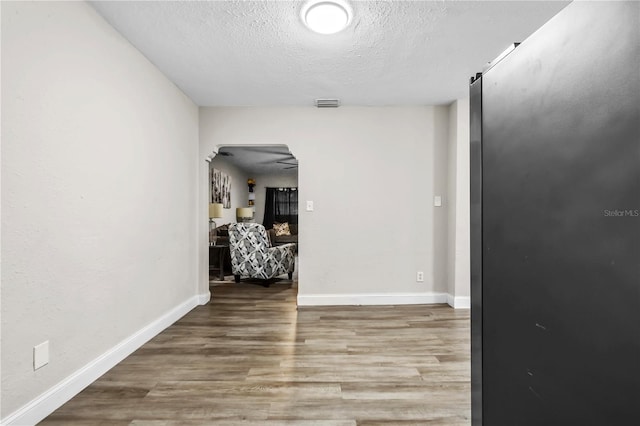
<point x="281" y="205"/>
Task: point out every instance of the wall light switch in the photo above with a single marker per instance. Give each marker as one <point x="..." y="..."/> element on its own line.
<point x="41" y="355"/>
<point x="309" y="206"/>
<point x="437" y="201"/>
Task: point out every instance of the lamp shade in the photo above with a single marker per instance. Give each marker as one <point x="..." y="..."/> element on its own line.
<point x="244" y="213"/>
<point x="215" y="210"/>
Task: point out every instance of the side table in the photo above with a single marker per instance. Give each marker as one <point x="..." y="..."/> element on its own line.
<point x="217" y="251"/>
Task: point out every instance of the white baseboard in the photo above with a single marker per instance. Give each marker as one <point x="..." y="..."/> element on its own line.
<point x="39" y="408"/>
<point x="204" y="298"/>
<point x="459" y="302"/>
<point x="371" y="299"/>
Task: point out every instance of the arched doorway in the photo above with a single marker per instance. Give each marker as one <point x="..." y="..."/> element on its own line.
<point x="250" y="174"/>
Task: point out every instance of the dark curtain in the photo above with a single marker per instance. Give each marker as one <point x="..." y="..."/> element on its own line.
<point x="281" y="205"/>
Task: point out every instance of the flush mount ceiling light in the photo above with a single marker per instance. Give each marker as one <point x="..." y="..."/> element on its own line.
<point x="326" y="17"/>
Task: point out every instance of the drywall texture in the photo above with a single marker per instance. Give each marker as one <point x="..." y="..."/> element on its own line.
<point x="458" y="256"/>
<point x="239" y="189"/>
<point x="99" y="199"/>
<point x="270" y="181"/>
<point x="370" y="173"/>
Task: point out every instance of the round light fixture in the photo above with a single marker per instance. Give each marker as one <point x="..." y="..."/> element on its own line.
<point x="326" y="17"/>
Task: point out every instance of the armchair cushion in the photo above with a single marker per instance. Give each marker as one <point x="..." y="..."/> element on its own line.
<point x="252" y="255"/>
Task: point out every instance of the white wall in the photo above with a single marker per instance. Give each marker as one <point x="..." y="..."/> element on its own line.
<point x="450" y="201"/>
<point x="287" y="180"/>
<point x="458" y="208"/>
<point x="99" y="198"/>
<point x="239" y="189"/>
<point x="440" y="179"/>
<point x="370" y="172"/>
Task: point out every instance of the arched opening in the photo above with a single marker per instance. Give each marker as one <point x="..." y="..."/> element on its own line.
<point x="262" y="180"/>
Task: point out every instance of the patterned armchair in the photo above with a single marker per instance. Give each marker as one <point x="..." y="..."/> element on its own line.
<point x="252" y="255"/>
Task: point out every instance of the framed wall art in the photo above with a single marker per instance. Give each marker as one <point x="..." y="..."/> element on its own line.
<point x="220" y="188"/>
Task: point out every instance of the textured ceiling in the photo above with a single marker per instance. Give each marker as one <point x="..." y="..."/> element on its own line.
<point x="259" y="53"/>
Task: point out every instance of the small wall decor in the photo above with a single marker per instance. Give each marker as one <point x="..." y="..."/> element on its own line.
<point x="252" y="196"/>
<point x="221" y="188"/>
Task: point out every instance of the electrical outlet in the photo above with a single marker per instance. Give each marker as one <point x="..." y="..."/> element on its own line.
<point x="420" y="276"/>
<point x="40" y="355"/>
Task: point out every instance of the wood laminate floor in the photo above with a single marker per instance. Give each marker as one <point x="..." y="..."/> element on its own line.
<point x="250" y="357"/>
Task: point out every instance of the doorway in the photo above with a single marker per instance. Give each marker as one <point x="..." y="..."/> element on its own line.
<point x="252" y="172"/>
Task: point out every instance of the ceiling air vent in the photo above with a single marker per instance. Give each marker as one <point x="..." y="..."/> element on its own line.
<point x="327" y="103"/>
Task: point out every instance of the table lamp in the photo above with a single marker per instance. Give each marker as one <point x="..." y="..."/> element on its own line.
<point x="244" y="214"/>
<point x="215" y="212"/>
